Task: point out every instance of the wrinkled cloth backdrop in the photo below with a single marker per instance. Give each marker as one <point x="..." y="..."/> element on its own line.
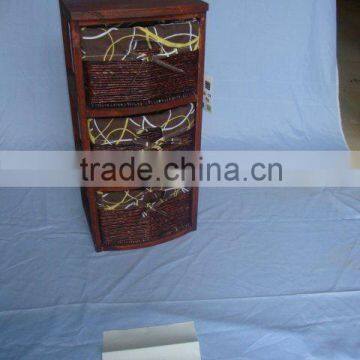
<point x="270" y="274"/>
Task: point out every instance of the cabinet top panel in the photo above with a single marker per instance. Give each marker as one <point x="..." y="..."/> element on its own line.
<point x="98" y="10"/>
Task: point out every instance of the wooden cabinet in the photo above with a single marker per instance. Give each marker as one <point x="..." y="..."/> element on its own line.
<point x="130" y="59"/>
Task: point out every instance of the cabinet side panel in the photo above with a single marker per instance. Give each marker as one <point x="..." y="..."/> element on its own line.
<point x="199" y="109"/>
<point x="79" y="114"/>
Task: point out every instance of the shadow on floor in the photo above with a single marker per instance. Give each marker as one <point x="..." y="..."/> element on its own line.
<point x="349" y="69"/>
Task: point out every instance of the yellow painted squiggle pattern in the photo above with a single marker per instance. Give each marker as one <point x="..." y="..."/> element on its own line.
<point x="126" y="134"/>
<point x="169" y="38"/>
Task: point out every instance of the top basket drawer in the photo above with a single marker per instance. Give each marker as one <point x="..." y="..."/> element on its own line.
<point x="128" y="66"/>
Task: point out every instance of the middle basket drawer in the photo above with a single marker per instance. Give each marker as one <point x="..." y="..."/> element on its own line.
<point x="166" y="130"/>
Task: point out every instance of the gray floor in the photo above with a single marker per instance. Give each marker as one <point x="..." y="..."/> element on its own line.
<point x="349" y="70"/>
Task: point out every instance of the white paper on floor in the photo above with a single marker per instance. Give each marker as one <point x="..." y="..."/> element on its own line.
<point x="169" y="342"/>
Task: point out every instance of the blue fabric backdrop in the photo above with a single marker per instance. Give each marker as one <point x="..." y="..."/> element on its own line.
<point x="270" y="274"/>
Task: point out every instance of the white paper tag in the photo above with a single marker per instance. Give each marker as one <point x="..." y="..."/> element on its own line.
<point x="172" y="342"/>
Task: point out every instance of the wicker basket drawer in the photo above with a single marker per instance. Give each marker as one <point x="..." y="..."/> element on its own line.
<point x="136" y="218"/>
<point x="140" y="65"/>
<point x="166" y="130"/>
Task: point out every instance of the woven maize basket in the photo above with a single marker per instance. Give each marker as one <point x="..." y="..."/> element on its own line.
<point x="135" y="218"/>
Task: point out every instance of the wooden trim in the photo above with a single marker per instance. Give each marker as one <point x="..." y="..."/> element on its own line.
<point x="98" y="11"/>
<point x="128" y="20"/>
<point x="84" y="135"/>
<point x="149" y="244"/>
<point x="124" y="15"/>
<point x="64" y="11"/>
<point x="199" y="112"/>
<point x="71" y="81"/>
<point x="116" y="112"/>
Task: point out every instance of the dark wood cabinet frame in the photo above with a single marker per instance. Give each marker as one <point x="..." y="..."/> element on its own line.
<point x="78" y="13"/>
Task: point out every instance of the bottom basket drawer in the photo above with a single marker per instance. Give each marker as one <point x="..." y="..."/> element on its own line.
<point x="138" y="218"/>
